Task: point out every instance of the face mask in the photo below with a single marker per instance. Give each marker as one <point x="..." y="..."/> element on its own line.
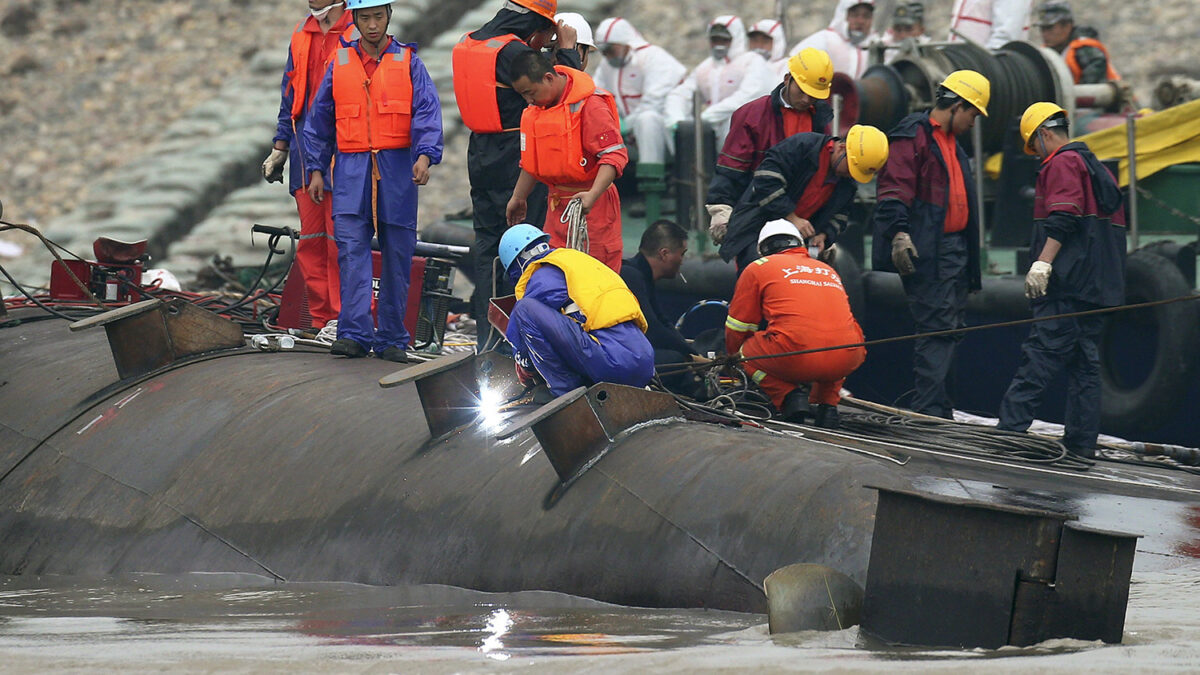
<point x="319" y="14"/>
<point x="719" y="52"/>
<point x="614" y="61"/>
<point x="856" y="36"/>
<point x="765" y="53"/>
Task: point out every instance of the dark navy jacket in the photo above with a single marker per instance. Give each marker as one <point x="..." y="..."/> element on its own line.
<point x="660" y="331"/>
<point x="754" y="128"/>
<point x="777" y="186"/>
<point x="912" y="193"/>
<point x="1079" y="204"/>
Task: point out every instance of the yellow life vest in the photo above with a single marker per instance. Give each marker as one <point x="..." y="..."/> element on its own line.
<point x="601" y="294"/>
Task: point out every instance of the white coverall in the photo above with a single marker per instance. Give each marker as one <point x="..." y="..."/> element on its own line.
<point x="725" y="86"/>
<point x="991" y="23"/>
<point x="640" y="87"/>
<point x="779" y="57"/>
<point x="847" y="57"/>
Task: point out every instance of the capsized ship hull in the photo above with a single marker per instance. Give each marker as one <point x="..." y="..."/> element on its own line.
<point x="298" y="465"/>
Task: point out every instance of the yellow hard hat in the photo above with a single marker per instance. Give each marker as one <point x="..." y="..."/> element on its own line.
<point x="971" y="86"/>
<point x="546" y="8"/>
<point x="1034" y="117"/>
<point x="866" y="152"/>
<point x="813" y="71"/>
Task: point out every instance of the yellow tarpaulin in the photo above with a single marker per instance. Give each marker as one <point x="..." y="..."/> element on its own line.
<point x="1165" y="138"/>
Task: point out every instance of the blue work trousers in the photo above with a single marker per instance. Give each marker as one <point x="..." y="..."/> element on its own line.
<point x="938" y="303"/>
<point x="1051" y="346"/>
<point x="353" y="236"/>
<point x="567" y="356"/>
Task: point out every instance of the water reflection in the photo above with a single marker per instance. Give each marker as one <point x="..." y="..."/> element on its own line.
<point x="497" y="626"/>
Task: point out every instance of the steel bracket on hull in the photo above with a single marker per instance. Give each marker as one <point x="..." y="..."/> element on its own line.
<point x="148" y="335"/>
<point x="955" y="572"/>
<point x="576" y="429"/>
<point x="452" y="388"/>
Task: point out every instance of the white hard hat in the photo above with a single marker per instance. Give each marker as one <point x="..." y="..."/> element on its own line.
<point x="776" y="228"/>
<point x="581" y="26"/>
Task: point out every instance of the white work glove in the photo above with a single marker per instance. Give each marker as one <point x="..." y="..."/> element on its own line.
<point x="272" y="167"/>
<point x="718" y="221"/>
<point x="1037" y="279"/>
<point x="903" y="252"/>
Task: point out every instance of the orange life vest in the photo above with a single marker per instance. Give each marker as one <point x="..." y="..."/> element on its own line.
<point x="372" y="113"/>
<point x="552" y="139"/>
<point x="474" y="66"/>
<point x="1073" y="63"/>
<point x="298" y="75"/>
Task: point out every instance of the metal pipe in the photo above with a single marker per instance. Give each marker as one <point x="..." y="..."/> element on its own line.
<point x="1131" y="147"/>
<point x="977" y="139"/>
<point x="836" y="102"/>
<point x="698" y="188"/>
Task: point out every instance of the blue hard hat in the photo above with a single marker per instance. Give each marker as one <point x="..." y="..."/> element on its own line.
<point x="518" y="238"/>
<point x="363" y="4"/>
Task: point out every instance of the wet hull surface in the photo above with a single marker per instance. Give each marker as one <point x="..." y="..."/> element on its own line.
<point x="297" y="466"/>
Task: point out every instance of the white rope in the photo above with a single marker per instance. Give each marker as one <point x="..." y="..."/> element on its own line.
<point x="576" y="222"/>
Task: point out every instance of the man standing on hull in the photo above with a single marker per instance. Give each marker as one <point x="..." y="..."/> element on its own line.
<point x="313" y="41"/>
<point x="927" y="227"/>
<point x="796" y="106"/>
<point x="492" y="111"/>
<point x="378" y="103"/>
<point x="1079" y="264"/>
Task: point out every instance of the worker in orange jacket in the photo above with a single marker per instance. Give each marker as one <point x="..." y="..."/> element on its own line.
<point x="491" y="109"/>
<point x="805" y="307"/>
<point x="571" y="141"/>
<point x="313" y="41"/>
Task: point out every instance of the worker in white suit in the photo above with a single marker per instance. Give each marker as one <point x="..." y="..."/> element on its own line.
<point x="845" y="39"/>
<point x="640" y="75"/>
<point x="991" y="23"/>
<point x="728" y="79"/>
<point x="766" y="37"/>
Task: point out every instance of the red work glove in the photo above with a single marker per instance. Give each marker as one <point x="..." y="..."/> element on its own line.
<point x="527" y="376"/>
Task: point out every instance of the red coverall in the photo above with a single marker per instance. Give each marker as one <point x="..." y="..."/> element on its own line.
<point x="316" y="252"/>
<point x="805" y="307"/>
<point x="601" y="133"/>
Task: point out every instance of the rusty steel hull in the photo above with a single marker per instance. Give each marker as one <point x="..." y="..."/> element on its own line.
<point x="297" y="465"/>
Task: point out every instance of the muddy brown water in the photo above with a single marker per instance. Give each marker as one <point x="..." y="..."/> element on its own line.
<point x="243" y="623"/>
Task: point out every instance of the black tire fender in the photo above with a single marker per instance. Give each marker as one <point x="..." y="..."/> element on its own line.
<point x="1145" y="406"/>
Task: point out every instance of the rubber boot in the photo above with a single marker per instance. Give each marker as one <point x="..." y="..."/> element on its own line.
<point x="826" y="416"/>
<point x="652" y="184"/>
<point x="795" y="405"/>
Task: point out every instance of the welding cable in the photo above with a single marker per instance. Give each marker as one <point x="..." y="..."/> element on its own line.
<point x="50" y="247"/>
<point x="34" y="300"/>
<point x="684" y="366"/>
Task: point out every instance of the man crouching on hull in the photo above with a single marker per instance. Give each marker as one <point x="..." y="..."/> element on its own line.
<point x="575" y="322"/>
<point x="805" y="307"/>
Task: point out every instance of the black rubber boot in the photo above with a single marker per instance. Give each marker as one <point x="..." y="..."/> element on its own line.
<point x="826" y="416"/>
<point x="348" y="348"/>
<point x="393" y="354"/>
<point x="795" y="405"/>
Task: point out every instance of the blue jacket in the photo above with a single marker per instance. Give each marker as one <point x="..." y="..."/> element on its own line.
<point x="352" y="172"/>
<point x="627" y="354"/>
<point x="912" y="194"/>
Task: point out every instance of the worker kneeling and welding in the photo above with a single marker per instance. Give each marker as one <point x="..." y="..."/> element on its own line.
<point x="805" y="307"/>
<point x="575" y="322"/>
